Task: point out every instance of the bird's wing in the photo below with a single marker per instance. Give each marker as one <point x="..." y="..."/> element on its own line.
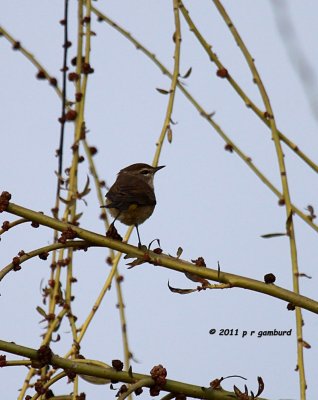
<point x="128" y="192"/>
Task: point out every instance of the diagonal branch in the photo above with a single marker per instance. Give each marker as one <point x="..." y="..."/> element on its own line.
<point x="249" y="103"/>
<point x="166" y="261"/>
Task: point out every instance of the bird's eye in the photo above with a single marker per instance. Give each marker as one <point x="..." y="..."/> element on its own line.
<point x="145" y="172"/>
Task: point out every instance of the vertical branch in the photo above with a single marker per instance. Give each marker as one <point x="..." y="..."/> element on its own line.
<point x="60" y="150"/>
<point x="79" y="108"/>
<point x="102" y="293"/>
<point x="62" y="120"/>
<point x="285" y="200"/>
<point x="26" y="382"/>
<point x="123" y="323"/>
<point x="174" y="82"/>
<point x="64" y="95"/>
<point x="113" y="259"/>
<point x="81" y="88"/>
<point x="70" y="208"/>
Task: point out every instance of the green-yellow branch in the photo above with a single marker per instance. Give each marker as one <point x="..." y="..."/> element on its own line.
<point x="129" y="377"/>
<point x="168" y="261"/>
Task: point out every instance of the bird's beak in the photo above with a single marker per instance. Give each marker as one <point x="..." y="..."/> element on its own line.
<point x="157" y="168"/>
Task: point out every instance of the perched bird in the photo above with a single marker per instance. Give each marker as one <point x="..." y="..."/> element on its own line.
<point x="132" y="198"/>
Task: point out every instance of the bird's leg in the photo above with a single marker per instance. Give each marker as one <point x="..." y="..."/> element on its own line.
<point x="113" y="223"/>
<point x="139" y="242"/>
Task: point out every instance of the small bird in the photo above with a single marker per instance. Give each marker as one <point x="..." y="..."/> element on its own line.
<point x="132" y="198"/>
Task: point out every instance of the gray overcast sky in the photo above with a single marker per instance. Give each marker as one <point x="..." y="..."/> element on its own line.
<point x="209" y="202"/>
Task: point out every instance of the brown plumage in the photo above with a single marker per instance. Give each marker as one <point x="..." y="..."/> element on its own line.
<point x="132" y="198"/>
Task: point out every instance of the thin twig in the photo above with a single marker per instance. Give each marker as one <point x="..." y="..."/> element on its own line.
<point x="56" y="378"/>
<point x="18" y="46"/>
<point x="12" y="225"/>
<point x="247" y="100"/>
<point x="46" y="249"/>
<point x="139" y="384"/>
